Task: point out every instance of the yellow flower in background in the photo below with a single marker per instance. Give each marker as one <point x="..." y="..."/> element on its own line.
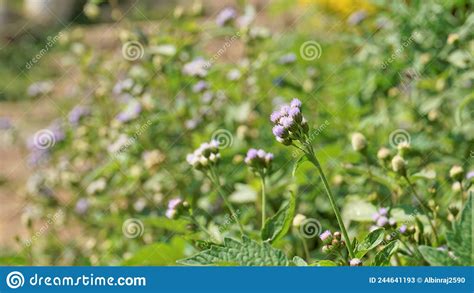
<point x="343" y="7"/>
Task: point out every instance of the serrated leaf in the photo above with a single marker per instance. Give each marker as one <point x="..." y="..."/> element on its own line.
<point x="300" y="161"/>
<point x="382" y="258"/>
<point x="245" y="253"/>
<point x="436" y="257"/>
<point x="278" y="225"/>
<point x="299" y="262"/>
<point x="371" y="241"/>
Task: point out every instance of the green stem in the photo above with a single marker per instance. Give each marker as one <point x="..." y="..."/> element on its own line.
<point x="424" y="206"/>
<point x="262" y="179"/>
<point x="215" y="178"/>
<point x="314" y="160"/>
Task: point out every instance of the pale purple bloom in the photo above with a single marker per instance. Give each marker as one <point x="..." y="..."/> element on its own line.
<point x="197" y="67"/>
<point x="470" y="175"/>
<point x="77" y="113"/>
<point x="355" y="262"/>
<point x="82" y="205"/>
<point x="278" y="131"/>
<point x="287" y="122"/>
<point x="131" y="112"/>
<point x="402" y="229"/>
<point x="287" y="59"/>
<point x="258" y="159"/>
<point x="261" y="154"/>
<point x="275" y="116"/>
<point x="392" y="222"/>
<point x="207" y="97"/>
<point x="325" y="235"/>
<point x="295" y="113"/>
<point x="284" y="110"/>
<point x="200" y="86"/>
<point x="226" y="15"/>
<point x="252" y="154"/>
<point x="173" y="203"/>
<point x="382" y="221"/>
<point x="357" y="17"/>
<point x="296" y="103"/>
<point x="383" y="211"/>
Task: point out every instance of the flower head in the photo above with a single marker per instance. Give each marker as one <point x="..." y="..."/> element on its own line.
<point x="259" y="160"/>
<point x="206" y="155"/>
<point x="225" y="16"/>
<point x="355" y="262"/>
<point x="289" y="123"/>
<point x="174" y="206"/>
<point x="326" y="236"/>
<point x="197" y="67"/>
<point x="399" y="165"/>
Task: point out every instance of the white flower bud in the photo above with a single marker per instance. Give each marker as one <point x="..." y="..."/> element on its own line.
<point x="398" y="165"/>
<point x="359" y="142"/>
<point x="383" y="154"/>
<point x="298" y="220"/>
<point x="456" y="172"/>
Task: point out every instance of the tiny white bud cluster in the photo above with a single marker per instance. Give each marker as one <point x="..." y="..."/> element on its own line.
<point x="206" y="155"/>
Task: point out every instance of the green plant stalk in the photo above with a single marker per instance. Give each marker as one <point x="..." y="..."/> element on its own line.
<point x="424" y="206"/>
<point x="262" y="179"/>
<point x="312" y="158"/>
<point x="216" y="181"/>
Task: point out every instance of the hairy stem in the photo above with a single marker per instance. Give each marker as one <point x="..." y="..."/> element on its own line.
<point x="215" y="179"/>
<point x="262" y="179"/>
<point x="312" y="158"/>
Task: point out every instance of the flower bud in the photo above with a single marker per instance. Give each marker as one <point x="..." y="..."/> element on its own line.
<point x="383" y="154"/>
<point x="359" y="143"/>
<point x="326" y="249"/>
<point x="298" y="220"/>
<point x="454" y="210"/>
<point x="337" y="235"/>
<point x="399" y="165"/>
<point x="355" y="262"/>
<point x="326" y="236"/>
<point x="456" y="173"/>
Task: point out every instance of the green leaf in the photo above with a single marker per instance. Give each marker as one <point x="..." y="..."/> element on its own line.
<point x="373" y="239"/>
<point x="324" y="263"/>
<point x="245" y="253"/>
<point x="357" y="209"/>
<point x="300" y="161"/>
<point x="459" y="243"/>
<point x="158" y="254"/>
<point x="176" y="225"/>
<point x="299" y="262"/>
<point x="243" y="194"/>
<point x="278" y="225"/>
<point x="436" y="257"/>
<point x="383" y="257"/>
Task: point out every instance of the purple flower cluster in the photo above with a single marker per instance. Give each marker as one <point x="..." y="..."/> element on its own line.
<point x="77" y="113"/>
<point x="131" y="112"/>
<point x="173" y="206"/>
<point x="259" y="160"/>
<point x="197" y="67"/>
<point x="289" y="123"/>
<point x="206" y="155"/>
<point x="381" y="219"/>
<point x="225" y="16"/>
